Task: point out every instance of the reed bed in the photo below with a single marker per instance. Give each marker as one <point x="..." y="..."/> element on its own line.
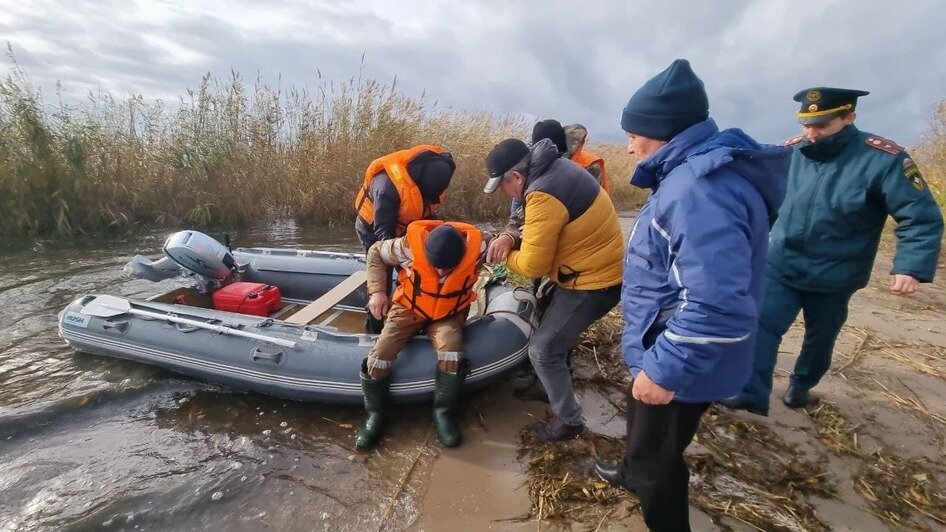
<point x="228" y="153"/>
<point x="930" y="153"/>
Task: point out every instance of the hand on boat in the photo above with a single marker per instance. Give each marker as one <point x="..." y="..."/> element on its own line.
<point x="499" y="248"/>
<point x="378" y="304"/>
<point x="648" y="391"/>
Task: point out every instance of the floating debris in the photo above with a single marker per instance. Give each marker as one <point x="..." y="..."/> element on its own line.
<point x="560" y="484"/>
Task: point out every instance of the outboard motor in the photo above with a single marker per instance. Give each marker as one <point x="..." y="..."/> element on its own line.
<point x="198" y="253"/>
<point x="208" y="259"/>
<point x="193" y="252"/>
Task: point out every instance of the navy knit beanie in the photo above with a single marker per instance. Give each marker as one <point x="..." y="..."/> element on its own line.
<point x="550" y="129"/>
<point x="666" y="105"/>
<point x="444" y="247"/>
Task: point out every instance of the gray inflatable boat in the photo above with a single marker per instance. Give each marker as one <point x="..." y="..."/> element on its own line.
<point x="309" y="350"/>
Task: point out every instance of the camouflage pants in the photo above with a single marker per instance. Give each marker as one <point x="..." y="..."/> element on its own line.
<point x="401" y="324"/>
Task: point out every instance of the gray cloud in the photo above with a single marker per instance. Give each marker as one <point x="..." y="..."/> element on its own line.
<point x="568" y="60"/>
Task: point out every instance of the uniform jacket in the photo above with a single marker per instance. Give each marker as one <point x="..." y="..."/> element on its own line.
<point x="839" y="196"/>
<point x="571" y="232"/>
<point x="695" y="264"/>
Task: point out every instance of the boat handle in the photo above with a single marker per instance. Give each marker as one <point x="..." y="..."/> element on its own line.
<point x="122" y="326"/>
<point x="272" y="357"/>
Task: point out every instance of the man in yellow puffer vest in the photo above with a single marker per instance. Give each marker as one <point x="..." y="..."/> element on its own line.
<point x="572" y="235"/>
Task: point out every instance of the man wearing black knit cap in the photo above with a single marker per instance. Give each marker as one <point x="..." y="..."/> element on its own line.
<point x="693" y="279"/>
<point x="438" y="265"/>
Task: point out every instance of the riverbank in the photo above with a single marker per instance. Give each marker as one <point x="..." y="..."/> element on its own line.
<point x="871" y="455"/>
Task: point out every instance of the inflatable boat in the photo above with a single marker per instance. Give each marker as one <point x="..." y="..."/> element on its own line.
<point x="293" y="325"/>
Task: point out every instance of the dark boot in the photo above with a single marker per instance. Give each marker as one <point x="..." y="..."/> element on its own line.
<point x="738" y="402"/>
<point x="610" y="473"/>
<point x="446" y="393"/>
<point x="531" y="391"/>
<point x="795" y="397"/>
<point x="376" y="399"/>
<point x="554" y="429"/>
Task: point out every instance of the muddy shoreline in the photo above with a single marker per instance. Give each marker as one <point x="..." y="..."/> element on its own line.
<point x="871" y="455"/>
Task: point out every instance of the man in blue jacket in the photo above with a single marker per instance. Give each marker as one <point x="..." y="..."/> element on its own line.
<point x="842" y="185"/>
<point x="693" y="279"/>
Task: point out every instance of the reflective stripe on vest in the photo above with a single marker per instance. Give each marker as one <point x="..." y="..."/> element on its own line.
<point x="420" y="288"/>
<point x="411" y="205"/>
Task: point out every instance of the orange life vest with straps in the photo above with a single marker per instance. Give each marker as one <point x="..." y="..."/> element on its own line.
<point x="412" y="205"/>
<point x="420" y="288"/>
<point x="586" y="159"/>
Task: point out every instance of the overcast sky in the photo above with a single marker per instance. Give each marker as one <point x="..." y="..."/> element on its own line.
<point x="576" y="61"/>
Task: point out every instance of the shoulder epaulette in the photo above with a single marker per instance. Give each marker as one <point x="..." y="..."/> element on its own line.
<point x="793" y="141"/>
<point x="883" y="144"/>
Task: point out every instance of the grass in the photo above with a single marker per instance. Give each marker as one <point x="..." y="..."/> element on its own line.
<point x="930" y="154"/>
<point x="229" y="153"/>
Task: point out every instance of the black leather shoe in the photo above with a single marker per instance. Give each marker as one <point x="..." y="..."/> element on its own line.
<point x="795" y="397"/>
<point x="610" y="473"/>
<point x="737" y="402"/>
<point x="556" y="430"/>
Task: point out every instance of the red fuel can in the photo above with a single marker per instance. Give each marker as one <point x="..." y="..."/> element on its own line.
<point x="257" y="299"/>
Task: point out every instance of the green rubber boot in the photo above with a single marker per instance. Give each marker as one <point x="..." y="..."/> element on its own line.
<point x="376" y="398"/>
<point x="446" y="393"/>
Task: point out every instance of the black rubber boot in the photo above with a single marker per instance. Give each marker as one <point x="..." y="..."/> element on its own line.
<point x="446" y="393"/>
<point x="376" y="399"/>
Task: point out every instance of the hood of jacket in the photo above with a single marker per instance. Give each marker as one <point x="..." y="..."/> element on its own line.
<point x="706" y="149"/>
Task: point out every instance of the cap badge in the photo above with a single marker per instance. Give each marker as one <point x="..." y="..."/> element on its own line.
<point x="813" y="96"/>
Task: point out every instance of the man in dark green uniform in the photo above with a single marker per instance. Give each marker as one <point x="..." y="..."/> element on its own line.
<point x="842" y="185"/>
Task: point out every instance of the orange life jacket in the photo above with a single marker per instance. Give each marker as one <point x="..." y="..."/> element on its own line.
<point x="419" y="287"/>
<point x="586" y="159"/>
<point x="412" y="206"/>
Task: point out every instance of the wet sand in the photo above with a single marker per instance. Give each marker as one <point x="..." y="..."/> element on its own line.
<point x="481" y="485"/>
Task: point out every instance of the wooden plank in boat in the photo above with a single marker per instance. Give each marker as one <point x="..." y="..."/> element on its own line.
<point x="330" y="299"/>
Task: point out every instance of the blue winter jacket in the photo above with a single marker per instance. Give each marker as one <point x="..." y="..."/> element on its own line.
<point x="694" y="270"/>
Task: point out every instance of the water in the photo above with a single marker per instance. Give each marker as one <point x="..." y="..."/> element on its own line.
<point x="93" y="442"/>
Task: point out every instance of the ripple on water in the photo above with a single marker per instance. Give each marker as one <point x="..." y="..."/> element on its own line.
<point x="89" y="442"/>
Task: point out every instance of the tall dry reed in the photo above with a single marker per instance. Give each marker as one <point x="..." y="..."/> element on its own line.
<point x="930" y="154"/>
<point x="227" y="153"/>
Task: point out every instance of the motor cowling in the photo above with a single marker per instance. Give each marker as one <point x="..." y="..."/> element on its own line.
<point x="200" y="254"/>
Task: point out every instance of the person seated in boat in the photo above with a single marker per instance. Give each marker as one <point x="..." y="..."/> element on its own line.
<point x="572" y="235"/>
<point x="399" y="188"/>
<point x="438" y="266"/>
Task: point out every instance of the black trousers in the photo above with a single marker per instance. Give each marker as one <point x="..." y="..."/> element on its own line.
<point x="653" y="467"/>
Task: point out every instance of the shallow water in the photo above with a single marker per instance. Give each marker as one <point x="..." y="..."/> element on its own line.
<point x="93" y="442"/>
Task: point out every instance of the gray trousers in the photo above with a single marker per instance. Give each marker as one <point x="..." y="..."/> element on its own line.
<point x="569" y="313"/>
